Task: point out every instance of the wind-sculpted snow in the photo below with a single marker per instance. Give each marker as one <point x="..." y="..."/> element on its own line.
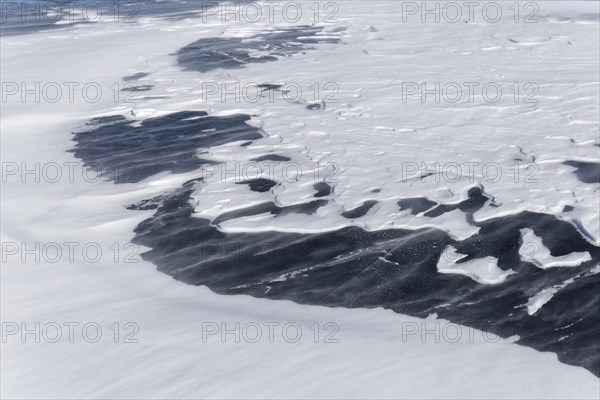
<point x="411" y="271"/>
<point x="375" y="220"/>
<point x="379" y="219"/>
<point x="394" y="269"/>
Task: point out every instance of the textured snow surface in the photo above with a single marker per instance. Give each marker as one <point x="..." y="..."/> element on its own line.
<point x="368" y="134"/>
<point x="482" y="270"/>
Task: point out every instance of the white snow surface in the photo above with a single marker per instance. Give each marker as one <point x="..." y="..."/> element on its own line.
<point x="367" y="134"/>
<point x="533" y="250"/>
<point x="483" y="270"/>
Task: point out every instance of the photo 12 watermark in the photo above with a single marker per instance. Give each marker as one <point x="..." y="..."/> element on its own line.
<point x="276" y="171"/>
<point x="269" y="332"/>
<point x="452" y="12"/>
<point x="29" y="172"/>
<point x="70" y="92"/>
<point x="50" y="12"/>
<point x="70" y="252"/>
<point x="468" y="171"/>
<point x="469" y="92"/>
<point x="69" y="332"/>
<point x="271" y="11"/>
<point x="252" y="92"/>
<point x="447" y="332"/>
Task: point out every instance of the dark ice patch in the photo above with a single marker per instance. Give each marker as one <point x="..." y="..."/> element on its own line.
<point x="135" y="77"/>
<point x="271" y="157"/>
<point x="137" y="88"/>
<point x="416" y="205"/>
<point x="395" y="269"/>
<point x="475" y="200"/>
<point x="211" y="53"/>
<point x="273" y="209"/>
<point x="586" y="172"/>
<point x="167" y="201"/>
<point x="322" y="188"/>
<point x="360" y="210"/>
<point x="269" y="86"/>
<point x="126" y="153"/>
<point x="259" y="185"/>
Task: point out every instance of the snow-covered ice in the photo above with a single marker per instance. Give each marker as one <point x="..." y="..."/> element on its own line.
<point x="369" y="140"/>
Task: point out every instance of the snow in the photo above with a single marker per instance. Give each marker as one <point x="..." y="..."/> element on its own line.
<point x="533" y="250"/>
<point x="482" y="270"/>
<point x="366" y="134"/>
<point x="380" y="354"/>
<point x="536" y="302"/>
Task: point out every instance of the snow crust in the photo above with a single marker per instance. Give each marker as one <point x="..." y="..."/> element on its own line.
<point x="482" y="270"/>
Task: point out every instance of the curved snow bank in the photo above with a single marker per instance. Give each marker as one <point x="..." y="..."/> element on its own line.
<point x="379" y="354"/>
